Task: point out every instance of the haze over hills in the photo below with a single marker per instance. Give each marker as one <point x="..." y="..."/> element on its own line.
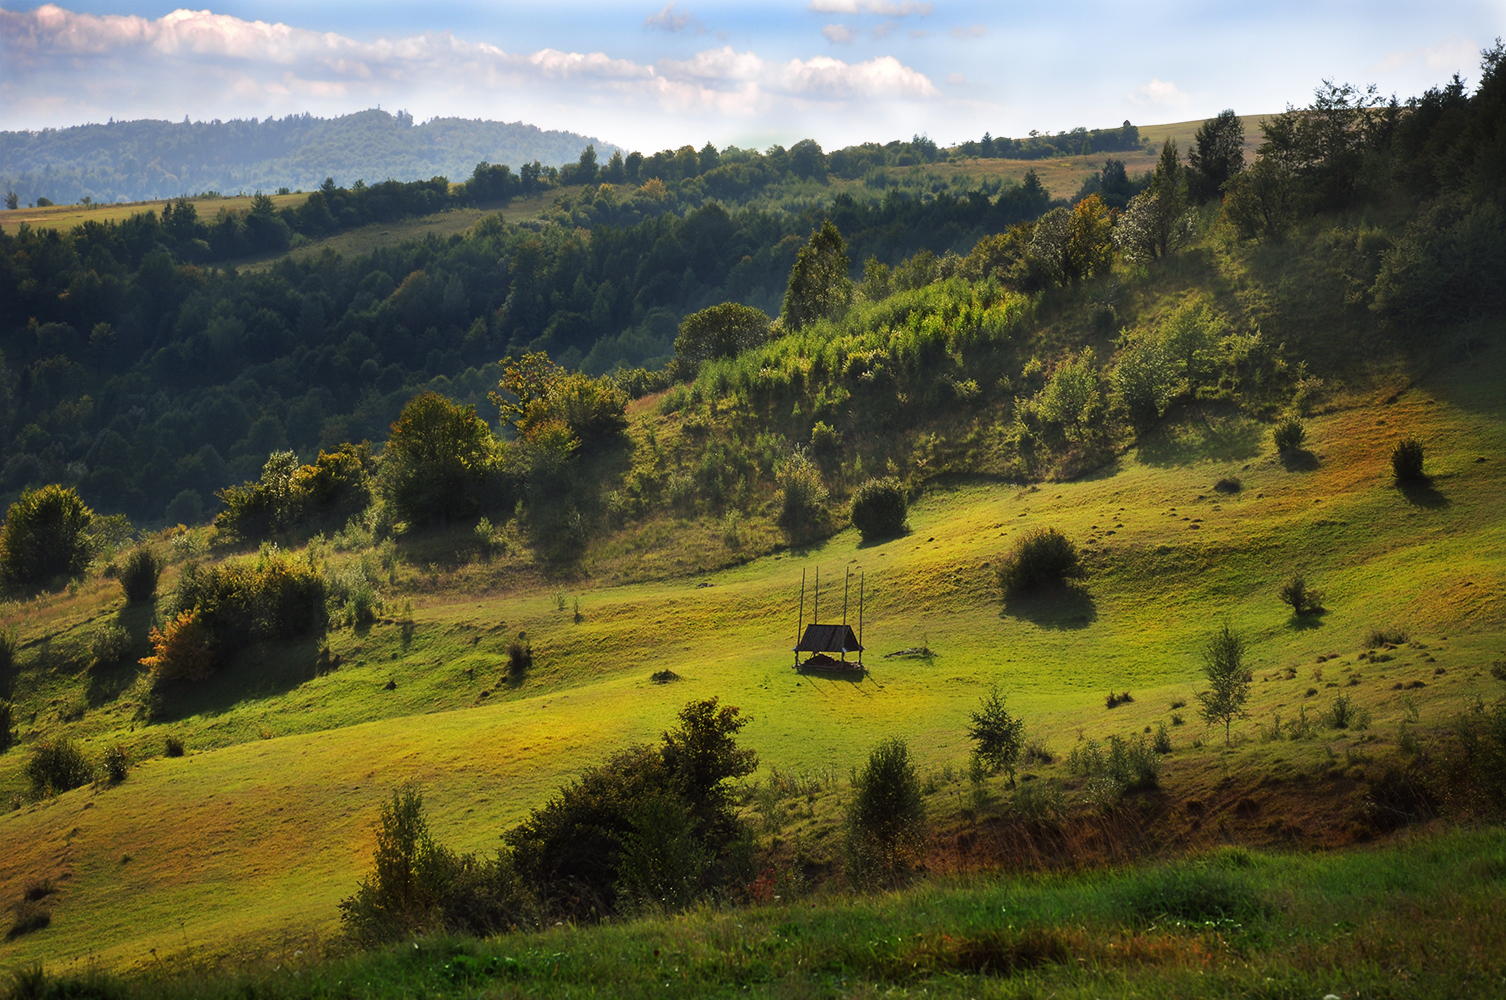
<point x="139" y="160"/>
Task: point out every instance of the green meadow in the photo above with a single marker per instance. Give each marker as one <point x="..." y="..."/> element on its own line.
<point x="252" y="837"/>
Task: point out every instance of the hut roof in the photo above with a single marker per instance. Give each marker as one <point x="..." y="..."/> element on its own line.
<point x="829" y="639"/>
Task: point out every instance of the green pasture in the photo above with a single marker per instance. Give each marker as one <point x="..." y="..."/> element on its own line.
<point x="266" y="823"/>
<point x="1415" y="919"/>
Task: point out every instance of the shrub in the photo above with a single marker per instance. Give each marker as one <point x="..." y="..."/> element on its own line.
<point x="1406" y="462"/>
<point x="438" y="457"/>
<point x="1162" y="743"/>
<point x="1195" y="892"/>
<point x="174" y="747"/>
<point x="116" y="764"/>
<point x="1345" y="714"/>
<point x="879" y="508"/>
<point x="802" y="497"/>
<point x="1289" y="435"/>
<point x="30" y="916"/>
<point x="886" y="818"/>
<point x="45" y="535"/>
<point x="1378" y="637"/>
<point x="997" y="736"/>
<point x="110" y="645"/>
<point x="57" y="766"/>
<point x="1303" y="599"/>
<point x="274" y="597"/>
<point x="180" y="649"/>
<point x="1113" y="700"/>
<point x="7" y="725"/>
<point x="1041" y="558"/>
<point x="416" y="884"/>
<point x="519" y="656"/>
<point x="1127" y="765"/>
<point x="138" y="577"/>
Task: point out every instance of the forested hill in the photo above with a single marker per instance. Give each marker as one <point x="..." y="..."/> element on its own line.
<point x="147" y="159"/>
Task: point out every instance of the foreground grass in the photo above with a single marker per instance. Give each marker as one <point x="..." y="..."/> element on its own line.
<point x="1419" y="919"/>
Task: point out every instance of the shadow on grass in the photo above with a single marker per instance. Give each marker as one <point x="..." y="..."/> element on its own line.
<point x="1066" y="608"/>
<point x="1299" y="460"/>
<point x="259" y="671"/>
<point x="1423" y="494"/>
<point x="1201" y="434"/>
<point x="1307" y="622"/>
<point x="873" y="543"/>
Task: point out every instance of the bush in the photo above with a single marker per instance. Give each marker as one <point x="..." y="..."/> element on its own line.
<point x="174" y="747"/>
<point x="180" y="649"/>
<point x="417" y="885"/>
<point x="45" y="535"/>
<point x="1406" y="462"/>
<point x="1345" y="714"/>
<point x="879" y="508"/>
<point x="57" y="766"/>
<point x="139" y="575"/>
<point x="802" y="497"/>
<point x="1042" y="558"/>
<point x="1128" y="765"/>
<point x="116" y="764"/>
<point x="1289" y="435"/>
<point x="1303" y="599"/>
<point x="7" y="725"/>
<point x="886" y="820"/>
<point x="437" y="461"/>
<point x="1193" y="892"/>
<point x="274" y="597"/>
<point x="111" y="645"/>
<point x="519" y="656"/>
<point x="648" y="826"/>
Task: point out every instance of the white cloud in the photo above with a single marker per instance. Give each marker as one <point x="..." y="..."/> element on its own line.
<point x="838" y="34"/>
<point x="74" y="67"/>
<point x="1160" y="92"/>
<point x="671" y="20"/>
<point x="1450" y="56"/>
<point x="971" y="31"/>
<point x="956" y="78"/>
<point x="883" y="8"/>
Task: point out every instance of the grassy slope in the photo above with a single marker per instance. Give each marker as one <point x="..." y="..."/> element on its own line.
<point x="249" y="839"/>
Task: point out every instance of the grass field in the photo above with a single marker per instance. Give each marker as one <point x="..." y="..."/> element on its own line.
<point x="254" y="836"/>
<point x="65" y="217"/>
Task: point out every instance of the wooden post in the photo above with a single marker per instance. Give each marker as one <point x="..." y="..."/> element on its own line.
<point x="800" y="625"/>
<point x="816" y="607"/>
<point x="860" y="617"/>
<point x="847" y="579"/>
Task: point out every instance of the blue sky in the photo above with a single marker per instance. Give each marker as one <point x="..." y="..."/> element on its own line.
<point x="652" y="75"/>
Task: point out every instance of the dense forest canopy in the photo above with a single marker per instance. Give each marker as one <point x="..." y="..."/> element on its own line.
<point x="147" y="159"/>
<point x="141" y="369"/>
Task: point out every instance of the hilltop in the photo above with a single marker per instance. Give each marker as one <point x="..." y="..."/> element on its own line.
<point x="148" y="159"/>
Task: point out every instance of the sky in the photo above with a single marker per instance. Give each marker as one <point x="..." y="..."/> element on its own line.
<point x="650" y="76"/>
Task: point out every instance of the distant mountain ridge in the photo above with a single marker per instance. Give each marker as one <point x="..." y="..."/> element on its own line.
<point x="139" y="160"/>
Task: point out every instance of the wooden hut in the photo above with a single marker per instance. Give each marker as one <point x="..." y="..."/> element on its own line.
<point x="820" y="640"/>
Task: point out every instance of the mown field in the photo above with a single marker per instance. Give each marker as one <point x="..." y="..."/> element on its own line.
<point x="249" y="841"/>
<point x="65" y="217"/>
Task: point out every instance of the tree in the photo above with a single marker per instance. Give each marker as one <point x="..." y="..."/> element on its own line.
<point x="524" y="381"/>
<point x="886" y="818"/>
<point x="437" y="459"/>
<point x="1145" y="379"/>
<point x="1217" y="154"/>
<point x="1260" y="203"/>
<point x="802" y="496"/>
<point x="702" y="755"/>
<point x="819" y="284"/>
<point x="1090" y="239"/>
<point x="997" y="736"/>
<point x="1325" y="143"/>
<point x="1157" y="223"/>
<point x="12" y="200"/>
<point x="721" y="331"/>
<point x="1228" y="680"/>
<point x="1071" y="398"/>
<point x="45" y="535"/>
